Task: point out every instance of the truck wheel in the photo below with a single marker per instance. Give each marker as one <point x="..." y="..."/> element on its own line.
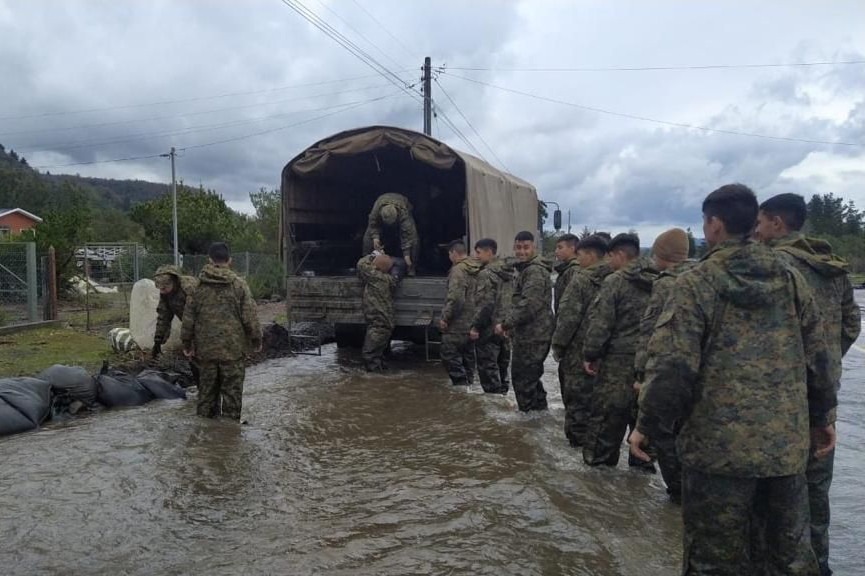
<point x="349" y="335"/>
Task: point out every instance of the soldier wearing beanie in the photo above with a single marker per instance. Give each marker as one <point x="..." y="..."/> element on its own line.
<point x="670" y="253"/>
<point x="609" y="347"/>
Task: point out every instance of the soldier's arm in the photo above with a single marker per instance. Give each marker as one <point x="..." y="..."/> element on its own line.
<point x="187" y="331"/>
<point x="249" y="316"/>
<point x="674" y="356"/>
<point x="456" y="294"/>
<point x="485" y="297"/>
<point x="164" y="316"/>
<point x="568" y="314"/>
<point x="851" y="317"/>
<point x="601" y="320"/>
<point x="822" y="393"/>
<point x="533" y="300"/>
<point x="647" y="326"/>
<point x="374" y="221"/>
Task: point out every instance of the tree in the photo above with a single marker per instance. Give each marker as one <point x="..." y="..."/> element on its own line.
<point x="267" y="204"/>
<point x="585" y="233"/>
<point x="692" y="244"/>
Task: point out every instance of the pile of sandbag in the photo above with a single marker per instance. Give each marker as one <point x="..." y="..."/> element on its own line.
<point x="25" y="403"/>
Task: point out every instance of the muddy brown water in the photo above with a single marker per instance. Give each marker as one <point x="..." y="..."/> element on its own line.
<point x="340" y="472"/>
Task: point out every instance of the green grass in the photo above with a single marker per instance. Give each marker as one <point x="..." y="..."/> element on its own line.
<point x="857" y="279"/>
<point x="29" y="352"/>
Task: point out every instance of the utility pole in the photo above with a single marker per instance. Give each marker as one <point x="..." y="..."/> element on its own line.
<point x="172" y="155"/>
<point x="427" y="97"/>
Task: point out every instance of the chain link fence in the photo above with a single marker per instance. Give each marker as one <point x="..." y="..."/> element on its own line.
<point x="107" y="273"/>
<point x="21" y="289"/>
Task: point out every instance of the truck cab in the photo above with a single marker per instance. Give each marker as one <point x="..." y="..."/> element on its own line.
<point x="328" y="191"/>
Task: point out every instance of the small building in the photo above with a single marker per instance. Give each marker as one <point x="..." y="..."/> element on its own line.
<point x="15" y="220"/>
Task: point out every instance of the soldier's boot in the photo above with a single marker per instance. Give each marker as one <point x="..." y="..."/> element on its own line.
<point x="232" y="376"/>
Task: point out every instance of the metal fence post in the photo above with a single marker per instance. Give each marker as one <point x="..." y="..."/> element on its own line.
<point x="87" y="285"/>
<point x="32" y="283"/>
<point x="51" y="296"/>
<point x="247" y="265"/>
<point x="136" y="264"/>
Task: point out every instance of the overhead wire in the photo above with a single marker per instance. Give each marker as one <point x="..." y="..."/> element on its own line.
<point x="467" y="121"/>
<point x="401" y="44"/>
<point x="651" y="120"/>
<point x="659" y="68"/>
<point x="191" y="99"/>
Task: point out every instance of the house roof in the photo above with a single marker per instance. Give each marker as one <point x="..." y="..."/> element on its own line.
<point x="5" y="211"/>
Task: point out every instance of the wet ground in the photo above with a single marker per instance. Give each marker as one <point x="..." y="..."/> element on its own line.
<point x="340" y="472"/>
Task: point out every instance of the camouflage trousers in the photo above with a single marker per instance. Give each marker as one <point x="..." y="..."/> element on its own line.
<point x="819" y="476"/>
<point x="728" y="519"/>
<point x="613" y="408"/>
<point x="458" y="357"/>
<point x="663" y="447"/>
<point x="527" y="368"/>
<point x="220" y="389"/>
<point x="576" y="388"/>
<point x="489" y="353"/>
<point x="505" y="362"/>
<point x="375" y="344"/>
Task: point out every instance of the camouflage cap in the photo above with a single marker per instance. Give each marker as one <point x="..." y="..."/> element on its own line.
<point x="389" y="213"/>
<point x="166" y="276"/>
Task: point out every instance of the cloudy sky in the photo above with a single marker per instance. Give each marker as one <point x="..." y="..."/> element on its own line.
<point x="244" y="85"/>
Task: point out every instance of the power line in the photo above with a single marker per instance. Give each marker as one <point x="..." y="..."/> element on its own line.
<point x="192" y="99"/>
<point x="657" y="68"/>
<point x="307" y="14"/>
<point x="467" y="121"/>
<point x="227" y="140"/>
<point x="459" y="133"/>
<point x="388" y="32"/>
<point x="652" y="120"/>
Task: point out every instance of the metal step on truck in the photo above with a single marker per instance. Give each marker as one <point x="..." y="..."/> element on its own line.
<point x="327" y="193"/>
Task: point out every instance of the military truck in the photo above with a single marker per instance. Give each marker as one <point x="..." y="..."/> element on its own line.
<point x="328" y="191"/>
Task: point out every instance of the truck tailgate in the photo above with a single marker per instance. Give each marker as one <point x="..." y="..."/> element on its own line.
<point x="339" y="300"/>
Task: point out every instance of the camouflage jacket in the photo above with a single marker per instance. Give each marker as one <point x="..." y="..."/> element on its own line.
<point x="661" y="290"/>
<point x="614" y="315"/>
<point x="738" y="357"/>
<point x="826" y="274"/>
<point x="531" y="314"/>
<point x="571" y="321"/>
<point x="493" y="294"/>
<point x="172" y="305"/>
<point x="459" y="307"/>
<point x="378" y="289"/>
<point x="407" y="229"/>
<point x="566" y="272"/>
<point x="220" y="321"/>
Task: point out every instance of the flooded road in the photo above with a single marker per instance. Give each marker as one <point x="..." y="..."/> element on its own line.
<point x="340" y="472"/>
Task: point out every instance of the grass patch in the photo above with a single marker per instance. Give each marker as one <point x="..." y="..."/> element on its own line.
<point x="857" y="279"/>
<point x="29" y="352"/>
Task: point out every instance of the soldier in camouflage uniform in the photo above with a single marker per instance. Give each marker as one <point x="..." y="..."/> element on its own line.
<point x="610" y="345"/>
<point x="173" y="289"/>
<point x="457" y="348"/>
<point x="779" y="224"/>
<point x="529" y="324"/>
<point x="571" y="327"/>
<point x="220" y="323"/>
<point x="492" y="299"/>
<point x="738" y="357"/>
<point x="566" y="265"/>
<point x="378" y="288"/>
<point x="669" y="253"/>
<point x="393" y="212"/>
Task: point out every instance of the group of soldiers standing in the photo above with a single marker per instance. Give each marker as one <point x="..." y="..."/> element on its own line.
<point x="724" y="371"/>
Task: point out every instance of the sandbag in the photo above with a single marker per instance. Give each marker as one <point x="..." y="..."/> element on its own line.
<point x="24" y="404"/>
<point x="143" y="302"/>
<point x="117" y="388"/>
<point x="121" y="340"/>
<point x="160" y="386"/>
<point x="72" y="382"/>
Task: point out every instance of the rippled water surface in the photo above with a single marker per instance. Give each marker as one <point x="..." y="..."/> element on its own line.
<point x="340" y="472"/>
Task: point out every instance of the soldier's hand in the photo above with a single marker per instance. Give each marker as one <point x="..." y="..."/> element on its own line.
<point x="156" y="350"/>
<point x="557" y="356"/>
<point x="408" y="263"/>
<point x="823" y="440"/>
<point x="188" y="353"/>
<point x="474" y="334"/>
<point x="637" y="385"/>
<point x="443" y="325"/>
<point x="500" y="331"/>
<point x="636" y="442"/>
<point x="376" y="244"/>
<point x="590" y="368"/>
